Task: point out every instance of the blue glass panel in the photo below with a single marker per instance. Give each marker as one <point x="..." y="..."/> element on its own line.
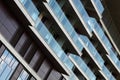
<point x="23" y="76"/>
<point x="113" y="56"/>
<point x="2" y="67"/>
<point x="8" y="58"/>
<point x="79" y="6"/>
<point x="7" y="61"/>
<point x="31" y="9"/>
<point x="47" y="36"/>
<point x="82" y="65"/>
<point x="65" y="22"/>
<point x="106" y="72"/>
<point x="4" y="54"/>
<point x="92" y="50"/>
<point x="6" y="73"/>
<point x="99" y="6"/>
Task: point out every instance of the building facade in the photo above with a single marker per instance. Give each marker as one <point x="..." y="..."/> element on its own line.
<point x="58" y="40"/>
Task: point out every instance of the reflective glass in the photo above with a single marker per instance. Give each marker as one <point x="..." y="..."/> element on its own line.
<point x="7" y="65"/>
<point x="106" y="72"/>
<point x="104" y="39"/>
<point x="23" y="75"/>
<point x="113" y="56"/>
<point x="49" y="39"/>
<point x="31" y="9"/>
<point x="79" y="6"/>
<point x="92" y="50"/>
<point x="3" y="65"/>
<point x="99" y="6"/>
<point x="65" y="22"/>
<point x="6" y="73"/>
<point x="82" y="65"/>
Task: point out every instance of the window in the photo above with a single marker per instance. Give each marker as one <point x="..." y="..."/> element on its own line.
<point x="7" y="65"/>
<point x="23" y="75"/>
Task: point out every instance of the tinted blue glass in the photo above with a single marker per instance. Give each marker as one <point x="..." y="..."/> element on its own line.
<point x="99" y="6"/>
<point x="92" y="50"/>
<point x="113" y="56"/>
<point x="106" y="72"/>
<point x="47" y="36"/>
<point x="31" y="9"/>
<point x="23" y="75"/>
<point x="65" y="22"/>
<point x="7" y="65"/>
<point x="82" y="65"/>
<point x="79" y="6"/>
<point x="6" y="73"/>
<point x="3" y="65"/>
<point x="93" y="23"/>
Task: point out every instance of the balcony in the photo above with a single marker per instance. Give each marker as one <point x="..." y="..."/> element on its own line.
<point x="104" y="41"/>
<point x="30" y="8"/>
<point x="64" y="24"/>
<point x="82" y="14"/>
<point x="92" y="51"/>
<point x="98" y="7"/>
<point x="107" y="74"/>
<point x="84" y="69"/>
<point x="49" y="39"/>
<point x="47" y="36"/>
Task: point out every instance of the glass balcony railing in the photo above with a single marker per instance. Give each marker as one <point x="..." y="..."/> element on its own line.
<point x="82" y="12"/>
<point x="98" y="6"/>
<point x="31" y="9"/>
<point x="46" y="35"/>
<point x="92" y="50"/>
<point x="107" y="73"/>
<point x="49" y="39"/>
<point x="104" y="40"/>
<point x="65" y="23"/>
<point x="114" y="59"/>
<point x="82" y="65"/>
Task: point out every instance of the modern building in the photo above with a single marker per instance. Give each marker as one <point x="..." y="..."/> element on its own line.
<point x="59" y="40"/>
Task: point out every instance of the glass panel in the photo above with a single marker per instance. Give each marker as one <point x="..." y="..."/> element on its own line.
<point x="104" y="39"/>
<point x="113" y="56"/>
<point x="4" y="54"/>
<point x="82" y="65"/>
<point x="6" y="73"/>
<point x="31" y="9"/>
<point x="79" y="6"/>
<point x="49" y="39"/>
<point x="99" y="6"/>
<point x="106" y="72"/>
<point x="6" y="65"/>
<point x="2" y="67"/>
<point x="92" y="50"/>
<point x="23" y="75"/>
<point x="8" y="58"/>
<point x="65" y="22"/>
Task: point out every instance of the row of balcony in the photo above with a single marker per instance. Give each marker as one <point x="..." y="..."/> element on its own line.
<point x="96" y="57"/>
<point x="63" y="20"/>
<point x="53" y="44"/>
<point x="79" y="9"/>
<point x="105" y="42"/>
<point x="45" y="34"/>
<point x="56" y="10"/>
